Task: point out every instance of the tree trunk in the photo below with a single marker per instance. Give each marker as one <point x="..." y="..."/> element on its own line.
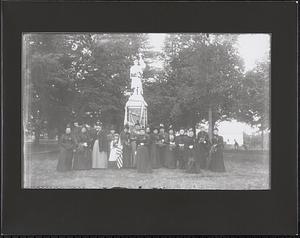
<point x="37" y="136"/>
<point x="262" y="139"/>
<point x="210" y="123"/>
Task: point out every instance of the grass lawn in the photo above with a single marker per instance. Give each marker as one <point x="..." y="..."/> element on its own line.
<point x="245" y="170"/>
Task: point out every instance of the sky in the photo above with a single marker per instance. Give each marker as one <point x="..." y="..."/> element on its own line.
<point x="251" y="47"/>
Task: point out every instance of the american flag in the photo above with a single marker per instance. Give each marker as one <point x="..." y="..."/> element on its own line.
<point x="119" y="156"/>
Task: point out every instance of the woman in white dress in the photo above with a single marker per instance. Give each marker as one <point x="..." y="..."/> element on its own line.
<point x="99" y="155"/>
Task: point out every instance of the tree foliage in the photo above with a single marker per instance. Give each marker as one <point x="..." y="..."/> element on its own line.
<point x="79" y="77"/>
<point x="201" y="71"/>
<point x="254" y="96"/>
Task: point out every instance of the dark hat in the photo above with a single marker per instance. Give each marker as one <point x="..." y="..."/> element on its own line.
<point x="112" y="127"/>
<point x="137" y="123"/>
<point x="68" y="125"/>
<point x="126" y="126"/>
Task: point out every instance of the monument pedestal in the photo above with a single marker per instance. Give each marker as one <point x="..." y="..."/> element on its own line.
<point x="136" y="110"/>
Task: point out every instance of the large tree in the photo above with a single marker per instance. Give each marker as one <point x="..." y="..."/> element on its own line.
<point x="77" y="77"/>
<point x="201" y="72"/>
<point x="254" y="97"/>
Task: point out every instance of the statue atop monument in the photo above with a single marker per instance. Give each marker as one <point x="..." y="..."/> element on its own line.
<point x="136" y="74"/>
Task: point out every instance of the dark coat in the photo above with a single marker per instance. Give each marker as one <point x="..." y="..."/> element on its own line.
<point x="143" y="160"/>
<point x="181" y="157"/>
<point x="216" y="162"/>
<point x="83" y="154"/>
<point x="193" y="164"/>
<point x="154" y="153"/>
<point x="102" y="141"/>
<point x="162" y="145"/>
<point x="170" y="153"/>
<point x="202" y="148"/>
<point x="67" y="145"/>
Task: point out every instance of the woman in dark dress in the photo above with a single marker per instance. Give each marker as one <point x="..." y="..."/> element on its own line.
<point x="83" y="154"/>
<point x="154" y="155"/>
<point x="216" y="162"/>
<point x="66" y="144"/>
<point x="180" y="142"/>
<point x="202" y="148"/>
<point x="133" y="141"/>
<point x="193" y="165"/>
<point x="125" y="141"/>
<point x="170" y="161"/>
<point x="143" y="161"/>
<point x="162" y="144"/>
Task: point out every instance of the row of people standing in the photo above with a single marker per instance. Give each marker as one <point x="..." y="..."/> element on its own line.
<point x="84" y="148"/>
<point x="185" y="151"/>
<point x="143" y="149"/>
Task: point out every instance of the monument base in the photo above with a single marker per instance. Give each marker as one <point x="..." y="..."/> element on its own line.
<point x="136" y="111"/>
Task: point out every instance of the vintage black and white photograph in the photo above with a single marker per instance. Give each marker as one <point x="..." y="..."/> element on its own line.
<point x="146" y="111"/>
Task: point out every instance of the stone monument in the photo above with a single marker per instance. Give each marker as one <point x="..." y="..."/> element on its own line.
<point x="136" y="106"/>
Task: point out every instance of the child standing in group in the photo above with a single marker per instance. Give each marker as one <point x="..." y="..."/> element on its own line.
<point x="115" y="151"/>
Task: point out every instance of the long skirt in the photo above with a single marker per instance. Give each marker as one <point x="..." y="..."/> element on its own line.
<point x="133" y="154"/>
<point x="65" y="160"/>
<point x="192" y="163"/>
<point x="99" y="159"/>
<point x="161" y="152"/>
<point x="82" y="159"/>
<point x="143" y="162"/>
<point x="154" y="155"/>
<point x="170" y="161"/>
<point x="216" y="162"/>
<point x="181" y="158"/>
<point x="202" y="157"/>
<point x="127" y="156"/>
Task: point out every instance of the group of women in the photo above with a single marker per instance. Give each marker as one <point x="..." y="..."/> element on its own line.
<point x="143" y="149"/>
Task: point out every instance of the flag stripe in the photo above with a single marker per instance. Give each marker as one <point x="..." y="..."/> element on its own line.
<point x="119" y="157"/>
